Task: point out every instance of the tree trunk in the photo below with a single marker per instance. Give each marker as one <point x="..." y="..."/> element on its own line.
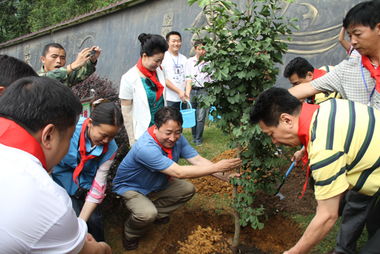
<point x="236" y="239"/>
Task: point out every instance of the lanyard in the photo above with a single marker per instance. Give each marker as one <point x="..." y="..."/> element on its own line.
<point x="366" y="85"/>
<point x="175" y="64"/>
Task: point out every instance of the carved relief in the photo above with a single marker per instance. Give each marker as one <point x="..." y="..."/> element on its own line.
<point x="27" y="54"/>
<point x="313" y="37"/>
<point x="167" y="23"/>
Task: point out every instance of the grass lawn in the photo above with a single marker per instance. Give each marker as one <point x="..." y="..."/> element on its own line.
<point x="214" y="141"/>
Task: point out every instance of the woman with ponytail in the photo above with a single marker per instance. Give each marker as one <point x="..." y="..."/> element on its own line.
<point x="84" y="169"/>
<point x="142" y="88"/>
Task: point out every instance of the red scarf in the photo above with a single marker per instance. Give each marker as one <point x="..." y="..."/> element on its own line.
<point x="152" y="75"/>
<point x="304" y="123"/>
<point x="375" y="72"/>
<point x="82" y="151"/>
<point x="168" y="151"/>
<point x="13" y="135"/>
<point x="317" y="73"/>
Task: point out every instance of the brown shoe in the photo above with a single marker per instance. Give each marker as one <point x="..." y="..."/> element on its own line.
<point x="130" y="243"/>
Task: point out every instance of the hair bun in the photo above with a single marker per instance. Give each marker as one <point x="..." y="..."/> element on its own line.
<point x="143" y="37"/>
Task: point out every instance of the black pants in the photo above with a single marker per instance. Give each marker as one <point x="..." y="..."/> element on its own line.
<point x="359" y="211"/>
<point x="94" y="223"/>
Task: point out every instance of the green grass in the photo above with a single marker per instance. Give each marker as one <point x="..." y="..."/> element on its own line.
<point x="214" y="142"/>
<point x="328" y="243"/>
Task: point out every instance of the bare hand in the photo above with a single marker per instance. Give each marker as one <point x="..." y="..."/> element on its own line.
<point x="182" y="96"/>
<point x="297" y="157"/>
<point x="82" y="58"/>
<point x="228" y="164"/>
<point x="97" y="50"/>
<point x="226" y="176"/>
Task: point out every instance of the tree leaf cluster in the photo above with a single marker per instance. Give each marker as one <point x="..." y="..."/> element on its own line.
<point x="19" y="17"/>
<point x="243" y="49"/>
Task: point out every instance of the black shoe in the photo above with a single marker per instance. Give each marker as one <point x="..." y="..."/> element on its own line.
<point x="130" y="243"/>
<point x="164" y="220"/>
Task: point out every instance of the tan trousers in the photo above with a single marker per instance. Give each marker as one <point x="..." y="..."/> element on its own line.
<point x="156" y="205"/>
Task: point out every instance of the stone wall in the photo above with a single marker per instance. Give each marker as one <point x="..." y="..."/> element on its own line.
<point x="116" y="33"/>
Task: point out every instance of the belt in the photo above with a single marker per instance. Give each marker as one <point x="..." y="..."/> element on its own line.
<point x="197" y="88"/>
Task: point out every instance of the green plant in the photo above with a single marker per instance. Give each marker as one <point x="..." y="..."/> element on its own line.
<point x="243" y="48"/>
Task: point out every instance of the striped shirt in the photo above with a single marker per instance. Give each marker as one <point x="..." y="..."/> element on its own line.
<point x="352" y="81"/>
<point x="344" y="151"/>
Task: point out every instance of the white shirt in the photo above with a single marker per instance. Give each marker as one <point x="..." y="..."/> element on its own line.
<point x="193" y="72"/>
<point x="36" y="214"/>
<point x="132" y="88"/>
<point x="174" y="67"/>
<point x="352" y="81"/>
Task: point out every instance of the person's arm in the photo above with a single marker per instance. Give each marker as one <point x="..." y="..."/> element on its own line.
<point x="83" y="66"/>
<point x="304" y="90"/>
<point x="91" y="246"/>
<point x="323" y="221"/>
<point x="188" y="88"/>
<point x="201" y="167"/>
<point x="345" y="44"/>
<point x="127" y="111"/>
<point x="97" y="191"/>
<point x="201" y="161"/>
<point x="171" y="86"/>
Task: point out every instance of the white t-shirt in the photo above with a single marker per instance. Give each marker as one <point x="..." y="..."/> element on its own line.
<point x="36" y="214"/>
<point x="174" y="67"/>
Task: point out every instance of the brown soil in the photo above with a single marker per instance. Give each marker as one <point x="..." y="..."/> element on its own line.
<point x="205" y="225"/>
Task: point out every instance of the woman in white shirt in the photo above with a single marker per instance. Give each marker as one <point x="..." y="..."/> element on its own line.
<point x="142" y="88"/>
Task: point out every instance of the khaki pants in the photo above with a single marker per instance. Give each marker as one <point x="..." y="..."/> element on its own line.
<point x="156" y="205"/>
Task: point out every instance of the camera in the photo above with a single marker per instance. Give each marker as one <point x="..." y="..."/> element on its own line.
<point x="92" y="52"/>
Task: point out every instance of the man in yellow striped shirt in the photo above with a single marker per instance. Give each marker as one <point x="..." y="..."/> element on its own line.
<point x="341" y="140"/>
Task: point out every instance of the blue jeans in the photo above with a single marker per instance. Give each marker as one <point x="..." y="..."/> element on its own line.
<point x="200" y="114"/>
<point x="94" y="223"/>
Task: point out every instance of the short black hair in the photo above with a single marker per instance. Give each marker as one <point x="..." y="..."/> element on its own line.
<point x="34" y="102"/>
<point x="173" y="33"/>
<point x="271" y="104"/>
<point x="12" y="69"/>
<point x="51" y="45"/>
<point x="165" y="114"/>
<point x="365" y="13"/>
<point x="152" y="44"/>
<point x="299" y="66"/>
<point x="196" y="43"/>
<point x="107" y="113"/>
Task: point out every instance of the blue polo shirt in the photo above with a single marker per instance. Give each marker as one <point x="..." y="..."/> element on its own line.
<point x="141" y="168"/>
<point x="63" y="172"/>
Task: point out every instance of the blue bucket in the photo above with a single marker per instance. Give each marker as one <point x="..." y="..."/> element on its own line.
<point x="188" y="116"/>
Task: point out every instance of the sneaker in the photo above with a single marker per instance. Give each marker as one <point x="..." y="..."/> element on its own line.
<point x="164" y="220"/>
<point x="198" y="143"/>
<point x="130" y="243"/>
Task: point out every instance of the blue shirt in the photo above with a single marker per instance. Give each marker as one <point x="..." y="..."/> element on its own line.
<point x="63" y="172"/>
<point x="141" y="169"/>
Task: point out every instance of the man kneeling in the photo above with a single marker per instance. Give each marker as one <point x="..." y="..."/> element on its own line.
<point x="149" y="179"/>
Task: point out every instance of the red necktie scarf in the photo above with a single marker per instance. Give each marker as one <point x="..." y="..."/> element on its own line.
<point x="375" y="72"/>
<point x="152" y="75"/>
<point x="317" y="73"/>
<point x="82" y="151"/>
<point x="304" y="123"/>
<point x="168" y="151"/>
<point x="13" y="135"/>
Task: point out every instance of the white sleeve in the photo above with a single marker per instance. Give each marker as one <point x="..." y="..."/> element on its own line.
<point x="67" y="235"/>
<point x="126" y="87"/>
<point x="97" y="191"/>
